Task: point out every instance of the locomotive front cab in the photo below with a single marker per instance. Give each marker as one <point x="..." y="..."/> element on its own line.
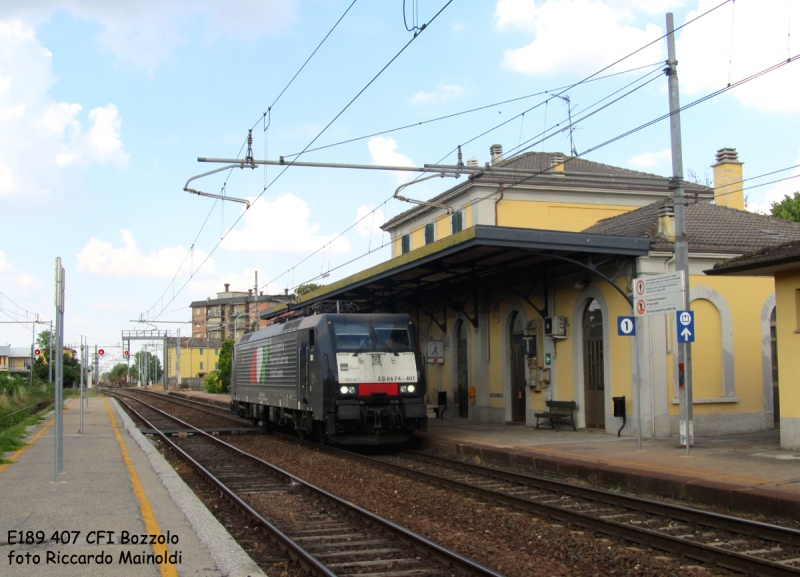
<point x="379" y="387"/>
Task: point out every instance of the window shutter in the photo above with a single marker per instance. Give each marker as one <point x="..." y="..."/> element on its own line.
<point x="457" y="221"/>
<point x="405" y="244"/>
<point x="429" y="233"/>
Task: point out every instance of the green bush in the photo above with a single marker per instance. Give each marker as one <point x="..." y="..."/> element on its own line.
<point x="213" y="383"/>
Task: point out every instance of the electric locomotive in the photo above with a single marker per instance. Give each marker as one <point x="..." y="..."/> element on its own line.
<point x="344" y="377"/>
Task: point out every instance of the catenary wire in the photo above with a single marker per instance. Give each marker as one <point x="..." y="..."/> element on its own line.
<point x="288" y="165"/>
<point x="607" y="142"/>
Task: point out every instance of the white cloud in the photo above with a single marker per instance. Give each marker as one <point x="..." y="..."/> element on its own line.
<point x="281" y="226"/>
<point x="600" y="27"/>
<point x="4" y="264"/>
<point x="25" y="281"/>
<point x="774" y="193"/>
<point x="384" y="152"/>
<point x="100" y="257"/>
<point x="372" y="223"/>
<point x="147" y="32"/>
<point x="443" y="93"/>
<point x="650" y="159"/>
<point x="39" y="138"/>
<point x="759" y="40"/>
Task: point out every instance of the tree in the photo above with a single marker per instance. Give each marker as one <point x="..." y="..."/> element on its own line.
<point x="225" y="363"/>
<point x="788" y="208"/>
<point x="118" y="374"/>
<point x="43" y="344"/>
<point x="307" y="288"/>
<point x="150" y="365"/>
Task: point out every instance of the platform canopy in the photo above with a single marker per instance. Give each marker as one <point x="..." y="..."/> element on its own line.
<point x="480" y="259"/>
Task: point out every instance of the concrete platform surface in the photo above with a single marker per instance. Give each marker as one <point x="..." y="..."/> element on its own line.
<point x="744" y="471"/>
<point x="114" y="482"/>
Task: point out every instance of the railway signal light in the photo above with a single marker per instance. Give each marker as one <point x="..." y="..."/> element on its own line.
<point x="37" y="352"/>
<point x="127" y="353"/>
<point x="101" y="352"/>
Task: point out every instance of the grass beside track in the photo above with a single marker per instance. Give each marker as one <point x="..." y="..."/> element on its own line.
<point x="22" y="407"/>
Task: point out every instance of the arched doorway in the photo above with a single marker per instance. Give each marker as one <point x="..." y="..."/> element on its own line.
<point x="462" y="370"/>
<point x="517" y="365"/>
<point x="776" y="403"/>
<point x="594" y="398"/>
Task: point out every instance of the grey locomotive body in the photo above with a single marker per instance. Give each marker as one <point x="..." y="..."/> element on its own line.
<point x="348" y="378"/>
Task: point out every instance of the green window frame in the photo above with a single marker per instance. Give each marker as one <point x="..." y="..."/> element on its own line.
<point x="405" y="243"/>
<point x="429" y="233"/>
<point x="457" y="221"/>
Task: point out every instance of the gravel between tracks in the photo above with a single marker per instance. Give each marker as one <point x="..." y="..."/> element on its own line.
<point x="515" y="543"/>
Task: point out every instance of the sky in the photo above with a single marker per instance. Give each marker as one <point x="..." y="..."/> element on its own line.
<point x="106" y="106"/>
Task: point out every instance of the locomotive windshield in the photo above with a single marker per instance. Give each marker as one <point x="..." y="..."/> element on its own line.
<point x="363" y="336"/>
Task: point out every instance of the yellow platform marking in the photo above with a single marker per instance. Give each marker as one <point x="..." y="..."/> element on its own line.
<point x="13" y="457"/>
<point x="150" y="523"/>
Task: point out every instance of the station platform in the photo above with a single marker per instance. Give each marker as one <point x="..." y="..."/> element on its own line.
<point x="742" y="472"/>
<point x="114" y="481"/>
<point x="739" y="472"/>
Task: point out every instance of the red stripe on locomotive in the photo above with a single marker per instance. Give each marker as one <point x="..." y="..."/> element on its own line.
<point x="365" y="390"/>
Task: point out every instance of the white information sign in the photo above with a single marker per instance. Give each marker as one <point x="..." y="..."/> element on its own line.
<point x="658" y="294"/>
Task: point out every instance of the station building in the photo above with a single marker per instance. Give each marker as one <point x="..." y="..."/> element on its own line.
<point x="516" y="281"/>
<point x="783" y="263"/>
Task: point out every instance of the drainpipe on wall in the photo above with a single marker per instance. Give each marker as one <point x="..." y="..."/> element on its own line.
<point x="496" y="202"/>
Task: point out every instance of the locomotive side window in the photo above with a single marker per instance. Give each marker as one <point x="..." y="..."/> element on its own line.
<point x="311" y="337"/>
<point x="352" y="336"/>
<point x="393" y="335"/>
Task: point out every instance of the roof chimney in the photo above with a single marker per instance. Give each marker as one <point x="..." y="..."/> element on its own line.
<point x="286" y="291"/>
<point x="728" y="179"/>
<point x="227" y="286"/>
<point x="557" y="164"/>
<point x="472" y="161"/>
<point x="249" y="292"/>
<point x="666" y="222"/>
<point x="496" y="152"/>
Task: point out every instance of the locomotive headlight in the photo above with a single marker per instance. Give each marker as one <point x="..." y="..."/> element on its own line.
<point x="351" y="390"/>
<point x="403" y="389"/>
<point x="343" y="390"/>
<point x="411" y="388"/>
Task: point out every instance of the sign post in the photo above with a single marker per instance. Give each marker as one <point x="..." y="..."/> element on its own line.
<point x="626" y="327"/>
<point x="665" y="294"/>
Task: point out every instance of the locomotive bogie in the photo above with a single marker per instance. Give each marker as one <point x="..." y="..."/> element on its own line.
<point x="349" y="378"/>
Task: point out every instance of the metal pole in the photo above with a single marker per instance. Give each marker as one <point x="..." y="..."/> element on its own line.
<point x="80" y="429"/>
<point x="33" y="342"/>
<point x="164" y="365"/>
<point x="50" y="358"/>
<point x="178" y="360"/>
<point x="96" y="377"/>
<point x="681" y="242"/>
<point x="638" y="384"/>
<point x="85" y="369"/>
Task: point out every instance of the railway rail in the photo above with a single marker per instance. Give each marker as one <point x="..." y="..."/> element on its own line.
<point x="730" y="542"/>
<point x="325" y="534"/>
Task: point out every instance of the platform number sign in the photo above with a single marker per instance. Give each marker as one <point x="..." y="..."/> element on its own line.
<point x="626" y="327"/>
<point x="685" y="326"/>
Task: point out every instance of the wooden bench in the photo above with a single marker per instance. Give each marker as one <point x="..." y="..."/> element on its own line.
<point x="558" y="412"/>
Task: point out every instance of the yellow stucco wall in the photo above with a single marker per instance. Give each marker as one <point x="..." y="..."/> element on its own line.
<point x="745" y="297"/>
<point x="787" y="285"/>
<point x="190" y="361"/>
<point x="707" y="351"/>
<point x="571" y="217"/>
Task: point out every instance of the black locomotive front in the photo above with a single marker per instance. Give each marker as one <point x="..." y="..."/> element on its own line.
<point x="350" y="378"/>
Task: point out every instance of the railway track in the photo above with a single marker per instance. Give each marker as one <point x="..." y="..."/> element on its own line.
<point x="325" y="534"/>
<point x="208" y="408"/>
<point x="730" y="542"/>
